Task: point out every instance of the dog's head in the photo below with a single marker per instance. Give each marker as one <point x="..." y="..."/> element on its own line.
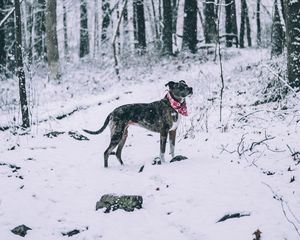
<point x="179" y="90"/>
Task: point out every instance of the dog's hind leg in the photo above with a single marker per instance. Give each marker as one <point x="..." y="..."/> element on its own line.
<point x="116" y="137"/>
<point x="121" y="145"/>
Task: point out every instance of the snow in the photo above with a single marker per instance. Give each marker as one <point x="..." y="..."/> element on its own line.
<point x="62" y="178"/>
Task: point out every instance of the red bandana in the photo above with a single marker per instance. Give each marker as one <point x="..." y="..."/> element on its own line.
<point x="177" y="106"/>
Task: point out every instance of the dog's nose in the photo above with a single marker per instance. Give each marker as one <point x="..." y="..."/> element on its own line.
<point x="191" y="90"/>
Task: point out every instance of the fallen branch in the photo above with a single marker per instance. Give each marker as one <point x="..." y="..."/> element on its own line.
<point x="8" y="15"/>
<point x="282" y="203"/>
<point x="254" y="144"/>
<point x="282" y="80"/>
<point x="249" y="114"/>
<point x="234" y="215"/>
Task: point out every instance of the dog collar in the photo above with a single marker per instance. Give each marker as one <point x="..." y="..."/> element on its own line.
<point x="181" y="108"/>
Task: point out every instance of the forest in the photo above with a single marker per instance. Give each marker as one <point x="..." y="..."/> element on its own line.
<point x="66" y="64"/>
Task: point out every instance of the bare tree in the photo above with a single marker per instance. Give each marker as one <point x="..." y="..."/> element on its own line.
<point x="20" y="67"/>
<point x="106" y="19"/>
<point x="210" y="25"/>
<point x="39" y="29"/>
<point x="189" y="40"/>
<point x="167" y="28"/>
<point x="258" y="23"/>
<point x="2" y="37"/>
<point x="139" y="26"/>
<point x="66" y="45"/>
<point x="84" y="48"/>
<point x="51" y="41"/>
<point x="245" y="22"/>
<point x="96" y="28"/>
<point x="293" y="42"/>
<point x="277" y="33"/>
<point x="230" y="23"/>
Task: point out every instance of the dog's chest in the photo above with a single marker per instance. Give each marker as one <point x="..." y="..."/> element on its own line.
<point x="176" y="120"/>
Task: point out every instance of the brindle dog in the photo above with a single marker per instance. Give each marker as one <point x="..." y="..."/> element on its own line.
<point x="158" y="116"/>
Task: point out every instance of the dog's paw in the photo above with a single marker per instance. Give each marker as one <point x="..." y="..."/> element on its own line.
<point x="157" y="161"/>
<point x="178" y="158"/>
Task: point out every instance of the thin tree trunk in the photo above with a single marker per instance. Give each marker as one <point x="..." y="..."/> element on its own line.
<point x="84" y="31"/>
<point x="174" y="20"/>
<point x="249" y="41"/>
<point x="114" y="40"/>
<point x="96" y="28"/>
<point x="258" y="24"/>
<point x="140" y="29"/>
<point x="155" y="19"/>
<point x="105" y="20"/>
<point x="210" y="26"/>
<point x="20" y="68"/>
<point x="39" y="30"/>
<point x="126" y="39"/>
<point x="2" y="38"/>
<point x="243" y="23"/>
<point x="66" y="45"/>
<point x="230" y="22"/>
<point x="189" y="40"/>
<point x="293" y="42"/>
<point x="277" y="33"/>
<point x="29" y="30"/>
<point x="167" y="28"/>
<point x="51" y="40"/>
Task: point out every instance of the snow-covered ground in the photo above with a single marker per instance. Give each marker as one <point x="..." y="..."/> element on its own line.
<point x="243" y="165"/>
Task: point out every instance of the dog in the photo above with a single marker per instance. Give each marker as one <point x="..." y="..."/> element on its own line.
<point x="161" y="116"/>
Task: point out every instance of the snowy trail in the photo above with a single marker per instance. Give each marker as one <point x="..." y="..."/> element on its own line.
<point x="60" y="179"/>
<point x="63" y="179"/>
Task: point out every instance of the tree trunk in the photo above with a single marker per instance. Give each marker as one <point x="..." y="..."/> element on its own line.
<point x="243" y="23"/>
<point x="126" y="38"/>
<point x="2" y="38"/>
<point x="51" y="40"/>
<point x="39" y="30"/>
<point x="29" y="17"/>
<point x="174" y="15"/>
<point x="230" y="23"/>
<point x="258" y="25"/>
<point x="167" y="28"/>
<point x="248" y="26"/>
<point x="210" y="26"/>
<point x="106" y="19"/>
<point x="277" y="33"/>
<point x="155" y="20"/>
<point x="66" y="45"/>
<point x="293" y="42"/>
<point x="20" y="68"/>
<point x="174" y="20"/>
<point x="84" y="48"/>
<point x="189" y="40"/>
<point x="139" y="24"/>
<point x="96" y="28"/>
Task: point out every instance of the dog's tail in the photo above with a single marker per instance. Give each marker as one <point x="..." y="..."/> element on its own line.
<point x="101" y="129"/>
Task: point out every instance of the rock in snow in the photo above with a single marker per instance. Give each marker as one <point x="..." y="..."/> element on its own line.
<point x="21" y="230"/>
<point x="178" y="158"/>
<point x="125" y="202"/>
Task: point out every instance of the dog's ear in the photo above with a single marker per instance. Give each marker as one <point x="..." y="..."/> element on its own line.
<point x="170" y="84"/>
<point x="182" y="81"/>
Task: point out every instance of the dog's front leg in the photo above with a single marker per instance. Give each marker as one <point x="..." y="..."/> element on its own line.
<point x="172" y="137"/>
<point x="163" y="141"/>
